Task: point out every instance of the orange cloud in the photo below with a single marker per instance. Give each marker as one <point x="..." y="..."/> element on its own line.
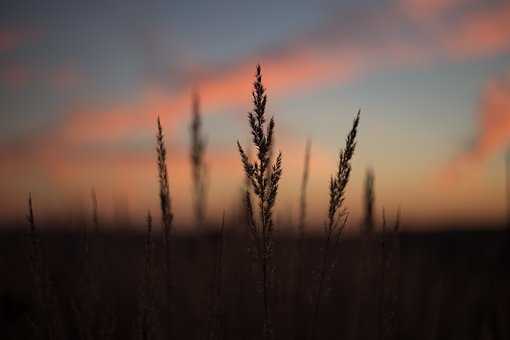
<point x="302" y="64"/>
<point x="231" y="89"/>
<point x="463" y="28"/>
<point x="495" y="120"/>
<point x="485" y="31"/>
<point x="494" y="130"/>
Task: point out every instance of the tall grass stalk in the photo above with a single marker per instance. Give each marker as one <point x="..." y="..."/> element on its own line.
<point x="264" y="176"/>
<point x="147" y="307"/>
<point x="85" y="300"/>
<point x="167" y="219"/>
<point x="198" y="167"/>
<point x="216" y="314"/>
<point x="336" y="221"/>
<point x="304" y="185"/>
<point x="369" y="200"/>
<point x="47" y="323"/>
<point x="387" y="321"/>
<point x="365" y="274"/>
<point x="102" y="313"/>
<point x="298" y="276"/>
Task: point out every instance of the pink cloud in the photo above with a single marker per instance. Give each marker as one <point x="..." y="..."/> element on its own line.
<point x="494" y="130"/>
<point x="231" y="89"/>
<point x="303" y="65"/>
<point x="495" y="119"/>
<point x="482" y="32"/>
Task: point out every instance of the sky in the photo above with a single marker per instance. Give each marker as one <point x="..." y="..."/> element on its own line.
<point x="81" y="85"/>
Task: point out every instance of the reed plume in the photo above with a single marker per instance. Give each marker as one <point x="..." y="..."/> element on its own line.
<point x="336" y="221"/>
<point x="264" y="176"/>
<point x="198" y="167"/>
<point x="167" y="218"/>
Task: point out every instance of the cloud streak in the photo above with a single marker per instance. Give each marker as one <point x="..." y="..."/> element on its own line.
<point x="493" y="130"/>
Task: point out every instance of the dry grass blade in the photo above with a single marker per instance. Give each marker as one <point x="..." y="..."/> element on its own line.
<point x="337" y="219"/>
<point x="389" y="280"/>
<point x="47" y="325"/>
<point x="167" y="218"/>
<point x="216" y="313"/>
<point x="263" y="175"/>
<point x="147" y="308"/>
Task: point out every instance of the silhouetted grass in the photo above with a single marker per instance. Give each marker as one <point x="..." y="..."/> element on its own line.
<point x="46" y="323"/>
<point x="167" y="218"/>
<point x="337" y="219"/>
<point x="263" y="176"/>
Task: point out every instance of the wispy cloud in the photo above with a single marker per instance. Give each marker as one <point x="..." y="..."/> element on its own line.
<point x="493" y="133"/>
<point x="485" y="31"/>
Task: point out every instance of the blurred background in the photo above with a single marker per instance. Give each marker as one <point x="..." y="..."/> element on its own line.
<point x="82" y="83"/>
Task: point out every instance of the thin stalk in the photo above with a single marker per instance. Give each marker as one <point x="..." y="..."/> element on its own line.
<point x="167" y="218"/>
<point x="264" y="176"/>
<point x="336" y="213"/>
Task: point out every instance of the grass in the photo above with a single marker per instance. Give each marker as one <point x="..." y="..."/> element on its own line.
<point x="336" y="221"/>
<point x="167" y="219"/>
<point x="147" y="311"/>
<point x="263" y="175"/>
<point x="47" y="322"/>
<point x="388" y="280"/>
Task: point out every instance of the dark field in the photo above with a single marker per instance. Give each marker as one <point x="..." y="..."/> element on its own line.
<point x="448" y="285"/>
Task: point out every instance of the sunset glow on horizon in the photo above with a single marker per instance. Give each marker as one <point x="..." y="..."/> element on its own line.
<point x="82" y="86"/>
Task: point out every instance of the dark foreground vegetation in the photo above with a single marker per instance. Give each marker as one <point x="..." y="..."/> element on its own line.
<point x="450" y="285"/>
